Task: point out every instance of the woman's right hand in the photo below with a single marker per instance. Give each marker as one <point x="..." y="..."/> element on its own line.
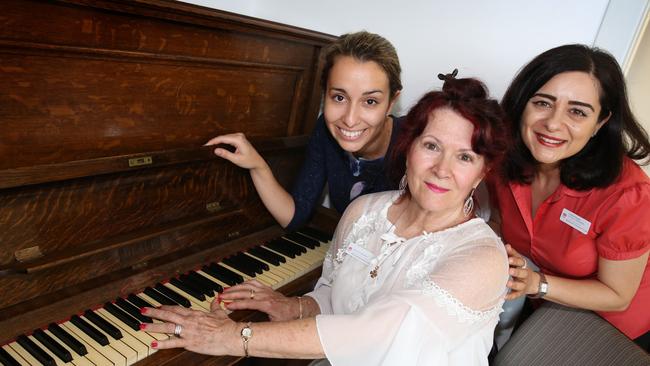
<point x="522" y="281"/>
<point x="245" y="155"/>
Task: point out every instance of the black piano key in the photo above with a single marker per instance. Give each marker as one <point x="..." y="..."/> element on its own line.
<point x="195" y="281"/>
<point x="181" y="300"/>
<point x="68" y="339"/>
<point x="267" y="255"/>
<point x="280" y="244"/>
<point x="226" y="272"/>
<point x="254" y="261"/>
<point x="132" y="310"/>
<point x="102" y="324"/>
<point x="242" y="259"/>
<point x="196" y="284"/>
<point x="282" y="249"/>
<point x="221" y="273"/>
<point x="35" y="351"/>
<point x="188" y="288"/>
<point x="299" y="248"/>
<point x="162" y="299"/>
<point x="316" y="234"/>
<point x="122" y="316"/>
<point x="302" y="240"/>
<point x="91" y="331"/>
<point x="7" y="359"/>
<point x="204" y="280"/>
<point x="54" y="346"/>
<point x="138" y="301"/>
<point x="284" y="243"/>
<point x="241" y="267"/>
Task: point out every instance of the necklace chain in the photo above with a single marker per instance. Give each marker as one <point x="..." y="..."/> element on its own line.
<point x="395" y="245"/>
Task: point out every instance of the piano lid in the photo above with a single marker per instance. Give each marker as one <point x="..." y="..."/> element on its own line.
<point x="104" y="106"/>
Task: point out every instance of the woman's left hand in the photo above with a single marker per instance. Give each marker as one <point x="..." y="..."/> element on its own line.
<point x="521" y="282"/>
<point x="253" y="295"/>
<point x="210" y="333"/>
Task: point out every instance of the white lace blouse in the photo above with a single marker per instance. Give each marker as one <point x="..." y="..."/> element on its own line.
<point x="435" y="300"/>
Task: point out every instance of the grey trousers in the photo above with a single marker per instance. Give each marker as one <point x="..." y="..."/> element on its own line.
<point x="559" y="335"/>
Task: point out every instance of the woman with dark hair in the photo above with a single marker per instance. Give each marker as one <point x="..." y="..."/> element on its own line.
<point x="571" y="198"/>
<point x="412" y="276"/>
<point x="361" y="82"/>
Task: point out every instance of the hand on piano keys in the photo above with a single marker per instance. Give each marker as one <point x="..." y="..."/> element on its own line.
<point x="112" y="334"/>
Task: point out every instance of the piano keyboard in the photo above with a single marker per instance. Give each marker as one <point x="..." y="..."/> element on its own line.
<point x="111" y="335"/>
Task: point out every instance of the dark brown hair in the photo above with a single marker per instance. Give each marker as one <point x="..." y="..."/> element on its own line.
<point x="364" y="46"/>
<point x="600" y="162"/>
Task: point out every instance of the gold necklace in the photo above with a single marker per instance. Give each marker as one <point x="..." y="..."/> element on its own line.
<point x="375" y="271"/>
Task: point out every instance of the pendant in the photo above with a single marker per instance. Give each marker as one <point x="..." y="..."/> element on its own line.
<point x="373" y="273"/>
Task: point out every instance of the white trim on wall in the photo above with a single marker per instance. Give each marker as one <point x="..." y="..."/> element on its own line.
<point x="621" y="27"/>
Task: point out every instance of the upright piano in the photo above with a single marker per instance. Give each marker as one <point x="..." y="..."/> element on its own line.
<point x="109" y="201"/>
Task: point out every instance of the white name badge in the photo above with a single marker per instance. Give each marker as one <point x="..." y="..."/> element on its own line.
<point x="575" y="221"/>
<point x="361" y="254"/>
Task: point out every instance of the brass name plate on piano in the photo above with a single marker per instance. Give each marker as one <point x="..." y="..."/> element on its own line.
<point x="144" y="160"/>
<point x="213" y="206"/>
<point x="28" y="254"/>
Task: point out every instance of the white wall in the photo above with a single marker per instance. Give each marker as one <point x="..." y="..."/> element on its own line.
<point x="487" y="39"/>
<point x="638" y="79"/>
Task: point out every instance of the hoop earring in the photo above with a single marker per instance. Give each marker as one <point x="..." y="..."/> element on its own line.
<point x="468" y="206"/>
<point x="402" y="184"/>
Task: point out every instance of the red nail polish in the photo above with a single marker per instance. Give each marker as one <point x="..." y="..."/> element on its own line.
<point x="226" y="289"/>
<point x="154" y="344"/>
<point x="143" y="310"/>
<point x="143" y="326"/>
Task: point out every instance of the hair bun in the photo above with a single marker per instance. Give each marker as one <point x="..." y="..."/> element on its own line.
<point x="446" y="77"/>
<point x="462" y="88"/>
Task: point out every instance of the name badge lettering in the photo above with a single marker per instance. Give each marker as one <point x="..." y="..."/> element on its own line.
<point x="361" y="254"/>
<point x="575" y="221"/>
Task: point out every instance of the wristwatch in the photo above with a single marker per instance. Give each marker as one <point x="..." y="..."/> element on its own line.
<point x="246" y="335"/>
<point x="542" y="288"/>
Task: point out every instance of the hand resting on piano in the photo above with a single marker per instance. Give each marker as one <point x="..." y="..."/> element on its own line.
<point x="253" y="295"/>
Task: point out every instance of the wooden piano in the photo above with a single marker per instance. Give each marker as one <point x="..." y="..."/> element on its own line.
<point x="108" y="199"/>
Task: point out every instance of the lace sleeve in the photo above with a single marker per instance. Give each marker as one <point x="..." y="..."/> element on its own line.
<point x="469" y="284"/>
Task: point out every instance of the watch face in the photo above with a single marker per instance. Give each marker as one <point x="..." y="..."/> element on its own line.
<point x="543" y="287"/>
<point x="246" y="332"/>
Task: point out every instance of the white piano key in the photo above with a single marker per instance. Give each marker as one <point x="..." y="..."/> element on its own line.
<point x="76" y="359"/>
<point x="127" y="352"/>
<point x="142" y="336"/>
<point x="24" y="354"/>
<point x="195" y="304"/>
<point x="96" y="353"/>
<point x="57" y="360"/>
<point x="17" y="356"/>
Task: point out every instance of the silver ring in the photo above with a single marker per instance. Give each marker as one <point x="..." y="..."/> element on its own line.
<point x="177" y="330"/>
<point x="525" y="265"/>
<point x="252" y="295"/>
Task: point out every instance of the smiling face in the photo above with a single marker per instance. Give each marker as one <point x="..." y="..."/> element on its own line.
<point x="561" y="117"/>
<point x="357" y="101"/>
<point x="442" y="169"/>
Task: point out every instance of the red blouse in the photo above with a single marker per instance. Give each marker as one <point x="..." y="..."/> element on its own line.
<point x="616" y="225"/>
